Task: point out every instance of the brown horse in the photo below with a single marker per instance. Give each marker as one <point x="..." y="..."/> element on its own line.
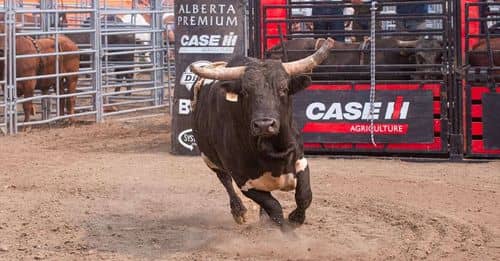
<point x="28" y="67"/>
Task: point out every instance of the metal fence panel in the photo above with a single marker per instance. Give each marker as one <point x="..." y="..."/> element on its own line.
<point x="3" y="86"/>
<point x="125" y="63"/>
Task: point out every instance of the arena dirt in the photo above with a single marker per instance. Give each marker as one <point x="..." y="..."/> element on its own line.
<point x="113" y="192"/>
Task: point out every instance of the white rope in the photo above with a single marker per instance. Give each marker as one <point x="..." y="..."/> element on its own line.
<point x="372" y="72"/>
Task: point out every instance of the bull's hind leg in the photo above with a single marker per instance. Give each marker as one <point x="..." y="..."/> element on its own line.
<point x="303" y="193"/>
<point x="71" y="83"/>
<point x="28" y="88"/>
<point x="237" y="208"/>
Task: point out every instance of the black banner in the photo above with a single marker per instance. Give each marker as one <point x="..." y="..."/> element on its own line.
<point x="491" y="121"/>
<point x="344" y="116"/>
<point x="206" y="31"/>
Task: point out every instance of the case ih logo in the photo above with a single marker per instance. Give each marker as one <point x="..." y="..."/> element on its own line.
<point x="214" y="43"/>
<point x="343" y="116"/>
<point x="356" y="110"/>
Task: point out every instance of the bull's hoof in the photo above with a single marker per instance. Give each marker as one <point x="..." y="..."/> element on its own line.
<point x="263" y="216"/>
<point x="239" y="218"/>
<point x="297" y="217"/>
<point x="239" y="214"/>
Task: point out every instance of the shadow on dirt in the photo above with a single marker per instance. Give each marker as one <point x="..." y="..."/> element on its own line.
<point x="153" y="238"/>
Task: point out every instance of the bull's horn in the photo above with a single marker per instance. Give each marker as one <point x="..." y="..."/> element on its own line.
<point x="411" y="44"/>
<point x="217" y="72"/>
<point x="311" y="61"/>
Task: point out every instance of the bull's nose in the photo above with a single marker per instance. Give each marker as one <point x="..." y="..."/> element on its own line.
<point x="265" y="127"/>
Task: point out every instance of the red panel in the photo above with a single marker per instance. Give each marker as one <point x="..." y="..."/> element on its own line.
<point x="477" y="92"/>
<point x="272" y="28"/>
<point x="330" y="87"/>
<point x="417" y="147"/>
<point x="477" y="111"/>
<point x="328" y="145"/>
<point x="478" y="147"/>
<point x="387" y="87"/>
<point x="370" y="146"/>
<point x="346" y="127"/>
<point x="338" y="145"/>
<point x="473" y="26"/>
<point x="312" y="145"/>
<point x="437" y="107"/>
<point x="437" y="126"/>
<point x="434" y="87"/>
<point x="477" y="128"/>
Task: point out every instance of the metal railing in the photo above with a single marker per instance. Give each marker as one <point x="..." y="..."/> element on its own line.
<point x="482" y="57"/>
<point x="353" y="22"/>
<point x="125" y="65"/>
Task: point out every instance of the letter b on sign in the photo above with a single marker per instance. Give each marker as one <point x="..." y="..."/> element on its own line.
<point x="184" y="106"/>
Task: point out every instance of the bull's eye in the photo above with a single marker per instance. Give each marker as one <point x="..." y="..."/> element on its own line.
<point x="420" y="59"/>
<point x="283" y="88"/>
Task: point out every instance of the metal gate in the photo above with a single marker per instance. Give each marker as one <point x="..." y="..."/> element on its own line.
<point x="124" y="67"/>
<point x="481" y="42"/>
<point x="421" y="40"/>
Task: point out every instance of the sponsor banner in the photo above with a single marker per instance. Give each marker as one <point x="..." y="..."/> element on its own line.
<point x="344" y="116"/>
<point x="206" y="31"/>
<point x="491" y="121"/>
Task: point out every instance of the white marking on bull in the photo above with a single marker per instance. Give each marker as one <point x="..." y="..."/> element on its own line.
<point x="300" y="165"/>
<point x="267" y="182"/>
<point x="209" y="163"/>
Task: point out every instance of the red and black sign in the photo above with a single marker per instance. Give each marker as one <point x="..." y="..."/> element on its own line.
<point x="491" y="120"/>
<point x="344" y="116"/>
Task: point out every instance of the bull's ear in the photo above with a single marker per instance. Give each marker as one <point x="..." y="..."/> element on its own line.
<point x="298" y="83"/>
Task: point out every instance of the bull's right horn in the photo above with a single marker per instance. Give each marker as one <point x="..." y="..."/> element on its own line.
<point x="411" y="44"/>
<point x="218" y="73"/>
<point x="311" y="61"/>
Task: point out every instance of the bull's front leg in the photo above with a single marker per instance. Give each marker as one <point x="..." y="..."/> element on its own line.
<point x="270" y="205"/>
<point x="303" y="193"/>
<point x="238" y="209"/>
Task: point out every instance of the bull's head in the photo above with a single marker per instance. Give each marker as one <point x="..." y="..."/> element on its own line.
<point x="425" y="56"/>
<point x="265" y="88"/>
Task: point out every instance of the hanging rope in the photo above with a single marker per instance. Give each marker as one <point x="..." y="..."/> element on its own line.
<point x="373" y="10"/>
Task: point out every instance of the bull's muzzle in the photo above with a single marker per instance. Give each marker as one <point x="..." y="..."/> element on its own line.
<point x="265" y="127"/>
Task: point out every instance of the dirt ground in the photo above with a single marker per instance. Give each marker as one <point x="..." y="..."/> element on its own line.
<point x="113" y="192"/>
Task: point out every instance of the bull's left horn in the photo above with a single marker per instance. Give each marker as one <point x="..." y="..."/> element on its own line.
<point x="218" y="73"/>
<point x="407" y="44"/>
<point x="311" y="61"/>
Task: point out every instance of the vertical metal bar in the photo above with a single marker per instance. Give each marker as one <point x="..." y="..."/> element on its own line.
<point x="158" y="52"/>
<point x="5" y="69"/>
<point x="11" y="64"/>
<point x="97" y="81"/>
<point x="282" y="42"/>
<point x="373" y="10"/>
<point x="169" y="73"/>
<point x="455" y="99"/>
<point x="58" y="85"/>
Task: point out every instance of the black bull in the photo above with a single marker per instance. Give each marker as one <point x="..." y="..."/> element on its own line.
<point x="350" y="61"/>
<point x="244" y="128"/>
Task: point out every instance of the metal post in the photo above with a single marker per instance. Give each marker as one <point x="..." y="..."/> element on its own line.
<point x="455" y="114"/>
<point x="158" y="54"/>
<point x="97" y="80"/>
<point x="373" y="10"/>
<point x="11" y="67"/>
